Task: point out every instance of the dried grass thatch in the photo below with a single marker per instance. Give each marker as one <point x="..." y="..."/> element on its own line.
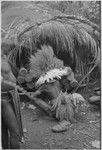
<point x="71" y="43"/>
<point x="74" y="40"/>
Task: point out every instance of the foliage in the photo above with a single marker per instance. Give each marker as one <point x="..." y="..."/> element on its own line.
<point x="73" y="40"/>
<point x="92" y="11"/>
<point x="89" y="9"/>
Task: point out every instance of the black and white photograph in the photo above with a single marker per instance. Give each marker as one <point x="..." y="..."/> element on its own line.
<point x="51" y="75"/>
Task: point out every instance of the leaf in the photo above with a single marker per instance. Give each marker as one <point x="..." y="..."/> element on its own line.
<point x="77" y="99"/>
<point x="25" y="130"/>
<point x="31" y="107"/>
<point x="96" y="143"/>
<point x="22" y="105"/>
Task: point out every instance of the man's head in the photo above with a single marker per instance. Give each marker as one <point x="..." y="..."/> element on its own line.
<point x="68" y="81"/>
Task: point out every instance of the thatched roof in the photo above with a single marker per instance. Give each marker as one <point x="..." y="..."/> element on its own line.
<point x="75" y="40"/>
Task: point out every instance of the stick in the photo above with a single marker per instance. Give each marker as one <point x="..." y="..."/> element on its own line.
<point x="32" y="96"/>
<point x="84" y="78"/>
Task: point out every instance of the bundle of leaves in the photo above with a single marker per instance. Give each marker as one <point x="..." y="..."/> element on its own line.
<point x="43" y="61"/>
<point x="66" y="105"/>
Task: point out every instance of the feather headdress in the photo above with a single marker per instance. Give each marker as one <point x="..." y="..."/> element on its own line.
<point x="45" y="66"/>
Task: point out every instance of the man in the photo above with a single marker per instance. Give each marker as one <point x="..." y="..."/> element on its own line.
<point x="11" y="125"/>
<point x="55" y="92"/>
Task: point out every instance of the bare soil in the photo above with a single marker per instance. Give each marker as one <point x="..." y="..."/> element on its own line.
<point x="38" y="134"/>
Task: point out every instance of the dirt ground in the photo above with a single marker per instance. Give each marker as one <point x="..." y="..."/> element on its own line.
<point x="81" y="135"/>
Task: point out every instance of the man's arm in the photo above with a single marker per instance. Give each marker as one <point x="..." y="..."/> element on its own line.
<point x="6" y="86"/>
